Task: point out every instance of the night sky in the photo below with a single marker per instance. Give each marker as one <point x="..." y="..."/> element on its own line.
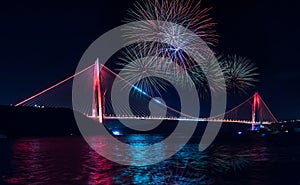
<point x="41" y="43"/>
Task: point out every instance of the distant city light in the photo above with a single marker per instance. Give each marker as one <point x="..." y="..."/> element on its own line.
<point x="116" y="133"/>
<point x="39" y="106"/>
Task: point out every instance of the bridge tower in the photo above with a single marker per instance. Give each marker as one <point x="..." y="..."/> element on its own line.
<point x="97" y="105"/>
<point x="256" y="109"/>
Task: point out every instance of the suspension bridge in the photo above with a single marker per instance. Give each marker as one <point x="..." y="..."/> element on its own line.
<point x="253" y="111"/>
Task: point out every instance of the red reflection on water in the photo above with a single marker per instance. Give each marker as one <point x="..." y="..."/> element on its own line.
<point x="101" y="169"/>
<point x="57" y="161"/>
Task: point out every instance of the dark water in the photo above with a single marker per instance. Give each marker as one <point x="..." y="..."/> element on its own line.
<point x="69" y="160"/>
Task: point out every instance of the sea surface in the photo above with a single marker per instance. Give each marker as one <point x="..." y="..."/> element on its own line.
<point x="70" y="160"/>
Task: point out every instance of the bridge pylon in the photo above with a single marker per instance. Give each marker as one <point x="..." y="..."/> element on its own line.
<point x="97" y="105"/>
<point x="260" y="111"/>
<point x="255" y="107"/>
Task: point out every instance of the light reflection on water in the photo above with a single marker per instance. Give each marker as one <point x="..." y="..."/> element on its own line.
<point x="137" y="154"/>
<point x="69" y="160"/>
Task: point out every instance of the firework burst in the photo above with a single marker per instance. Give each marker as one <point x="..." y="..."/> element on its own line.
<point x="172" y="41"/>
<point x="210" y="75"/>
<point x="146" y="68"/>
<point x="173" y="30"/>
<point x="187" y="13"/>
<point x="143" y="71"/>
<point x="240" y="73"/>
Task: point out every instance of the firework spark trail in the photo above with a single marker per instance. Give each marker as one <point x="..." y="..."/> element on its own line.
<point x="240" y="73"/>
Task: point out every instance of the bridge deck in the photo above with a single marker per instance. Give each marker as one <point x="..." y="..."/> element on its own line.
<point x="177" y="119"/>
